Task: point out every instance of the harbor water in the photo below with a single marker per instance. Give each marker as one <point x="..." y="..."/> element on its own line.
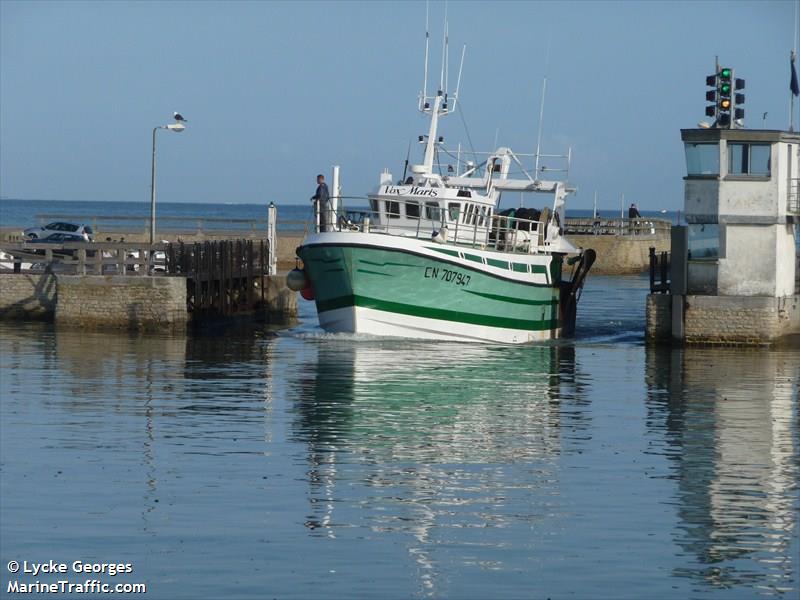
<point x="244" y="463"/>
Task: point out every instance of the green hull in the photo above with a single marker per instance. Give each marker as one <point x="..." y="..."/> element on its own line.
<point x="415" y="285"/>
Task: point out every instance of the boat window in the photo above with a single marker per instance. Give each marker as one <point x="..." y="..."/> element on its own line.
<point x="468" y="214"/>
<point x="749" y="159"/>
<point x="412" y="210"/>
<point x="464" y="194"/>
<point x="702" y="159"/>
<point x="432" y="211"/>
<point x="703" y="241"/>
<point x="454" y="210"/>
<point x="373" y="205"/>
<point x="392" y="209"/>
<point x="482" y="218"/>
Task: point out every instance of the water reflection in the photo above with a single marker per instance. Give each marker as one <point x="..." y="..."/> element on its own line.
<point x="730" y="422"/>
<point x="449" y="437"/>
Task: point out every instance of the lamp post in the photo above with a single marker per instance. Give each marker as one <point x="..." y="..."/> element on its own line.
<point x="177" y="128"/>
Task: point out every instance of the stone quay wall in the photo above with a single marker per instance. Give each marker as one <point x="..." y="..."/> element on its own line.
<point x="119" y="302"/>
<point x="144" y="303"/>
<point x="749" y="320"/>
<point x="726" y="320"/>
<point x="621" y="255"/>
<point x="27" y="295"/>
<point x="659" y="317"/>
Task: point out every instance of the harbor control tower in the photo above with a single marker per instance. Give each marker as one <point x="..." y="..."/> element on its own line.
<point x="733" y="268"/>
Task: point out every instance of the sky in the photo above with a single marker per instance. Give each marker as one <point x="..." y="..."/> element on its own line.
<point x="276" y="92"/>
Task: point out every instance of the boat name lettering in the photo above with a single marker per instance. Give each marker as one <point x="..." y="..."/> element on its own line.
<point x="446" y="275"/>
<point x="412" y="191"/>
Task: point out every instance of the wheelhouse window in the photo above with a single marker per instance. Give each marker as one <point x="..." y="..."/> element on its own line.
<point x="454" y="210"/>
<point x="749" y="159"/>
<point x="702" y="158"/>
<point x="432" y="211"/>
<point x="412" y="210"/>
<point x="468" y="215"/>
<point x="392" y="209"/>
<point x="373" y="205"/>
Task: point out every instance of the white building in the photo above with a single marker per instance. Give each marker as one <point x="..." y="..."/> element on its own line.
<point x="734" y="265"/>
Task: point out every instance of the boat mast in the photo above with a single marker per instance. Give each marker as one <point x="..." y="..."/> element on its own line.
<point x="430" y="147"/>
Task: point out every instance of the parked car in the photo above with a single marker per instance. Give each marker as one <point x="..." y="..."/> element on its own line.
<point x="60" y="239"/>
<point x="59" y="227"/>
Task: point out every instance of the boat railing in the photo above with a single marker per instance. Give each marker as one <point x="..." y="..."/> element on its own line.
<point x="481" y="229"/>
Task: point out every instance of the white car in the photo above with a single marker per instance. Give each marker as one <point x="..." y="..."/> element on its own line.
<point x="33" y="233"/>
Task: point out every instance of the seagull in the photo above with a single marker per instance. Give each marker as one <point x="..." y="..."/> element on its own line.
<point x="179" y="118"/>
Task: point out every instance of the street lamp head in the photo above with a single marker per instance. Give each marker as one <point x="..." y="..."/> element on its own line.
<point x="176" y="127"/>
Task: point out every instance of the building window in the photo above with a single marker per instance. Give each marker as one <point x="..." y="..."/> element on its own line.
<point x="702" y="159"/>
<point x="749" y="159"/>
<point x="412" y="210"/>
<point x="703" y="241"/>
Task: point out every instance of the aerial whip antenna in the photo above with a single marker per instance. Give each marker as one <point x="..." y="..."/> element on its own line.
<point x="541" y="109"/>
<point x="444" y="51"/>
<point x="458" y="82"/>
<point x="427" y="43"/>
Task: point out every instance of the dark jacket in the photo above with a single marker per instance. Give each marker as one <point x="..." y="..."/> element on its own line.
<point x="633" y="213"/>
<point x="321" y="194"/>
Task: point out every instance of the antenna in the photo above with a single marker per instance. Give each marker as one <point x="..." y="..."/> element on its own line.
<point x="427" y="43"/>
<point x="444" y="51"/>
<point x="446" y="55"/>
<point x="458" y="83"/>
<point x="539" y="135"/>
<point x="541" y="109"/>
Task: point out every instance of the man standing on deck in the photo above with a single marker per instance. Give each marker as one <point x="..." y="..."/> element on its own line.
<point x="321" y="198"/>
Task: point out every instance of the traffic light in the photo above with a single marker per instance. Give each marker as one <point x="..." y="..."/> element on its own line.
<point x="738" y="99"/>
<point x="724" y="99"/>
<point x="711" y="95"/>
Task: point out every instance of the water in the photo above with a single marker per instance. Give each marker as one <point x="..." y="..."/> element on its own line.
<point x="291" y="217"/>
<point x="307" y="465"/>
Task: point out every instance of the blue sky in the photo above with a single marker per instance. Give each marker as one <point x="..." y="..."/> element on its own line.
<point x="277" y="92"/>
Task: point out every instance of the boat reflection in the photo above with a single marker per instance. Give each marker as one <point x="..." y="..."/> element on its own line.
<point x="730" y="426"/>
<point x="450" y="433"/>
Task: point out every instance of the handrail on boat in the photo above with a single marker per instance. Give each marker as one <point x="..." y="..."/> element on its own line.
<point x="479" y="229"/>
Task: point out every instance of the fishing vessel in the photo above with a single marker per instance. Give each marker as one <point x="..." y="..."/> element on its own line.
<point x="434" y="257"/>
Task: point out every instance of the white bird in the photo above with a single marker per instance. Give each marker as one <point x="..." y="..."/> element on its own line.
<point x="179" y="117"/>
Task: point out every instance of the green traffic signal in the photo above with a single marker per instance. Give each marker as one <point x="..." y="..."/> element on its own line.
<point x="725" y="88"/>
<point x="725" y="73"/>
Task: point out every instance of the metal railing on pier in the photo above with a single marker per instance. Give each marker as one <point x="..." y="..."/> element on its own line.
<point x="104" y="225"/>
<point x="793" y="201"/>
<point x="619" y="227"/>
<point x="83" y="258"/>
<point x="659" y="272"/>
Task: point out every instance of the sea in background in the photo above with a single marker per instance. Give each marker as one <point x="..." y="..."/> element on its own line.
<point x="291" y="217"/>
<point x="261" y="463"/>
